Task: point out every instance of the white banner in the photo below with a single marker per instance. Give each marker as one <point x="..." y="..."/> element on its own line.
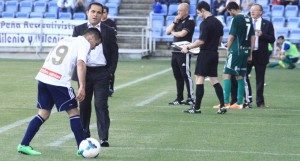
<point x="35" y="32"/>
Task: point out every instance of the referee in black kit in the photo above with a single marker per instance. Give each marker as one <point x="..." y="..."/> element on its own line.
<point x="211" y="32"/>
<point x="182" y="29"/>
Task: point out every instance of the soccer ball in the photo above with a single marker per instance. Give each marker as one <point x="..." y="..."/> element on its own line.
<point x="89" y="148"/>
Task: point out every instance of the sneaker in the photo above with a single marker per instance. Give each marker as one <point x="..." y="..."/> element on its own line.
<point x="236" y="106"/>
<point x="79" y="153"/>
<point x="27" y="150"/>
<point x="110" y="92"/>
<point x="247" y="105"/>
<point x="222" y="110"/>
<point x="192" y="110"/>
<point x="104" y="143"/>
<point x="189" y="101"/>
<point x="177" y="102"/>
<point x="226" y="106"/>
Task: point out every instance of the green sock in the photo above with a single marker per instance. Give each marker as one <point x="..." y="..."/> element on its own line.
<point x="281" y="64"/>
<point x="272" y="65"/>
<point x="241" y="90"/>
<point x="227" y="87"/>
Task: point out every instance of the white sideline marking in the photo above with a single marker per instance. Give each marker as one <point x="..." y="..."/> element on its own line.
<point x="21" y="122"/>
<point x="151" y="99"/>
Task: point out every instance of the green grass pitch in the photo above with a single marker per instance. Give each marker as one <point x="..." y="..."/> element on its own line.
<point x="145" y="128"/>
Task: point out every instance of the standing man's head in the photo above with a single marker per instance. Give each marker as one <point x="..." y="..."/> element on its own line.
<point x="93" y="36"/>
<point x="280" y="40"/>
<point x="203" y="9"/>
<point x="94" y="13"/>
<point x="233" y="8"/>
<point x="105" y="13"/>
<point x="256" y="11"/>
<point x="183" y="10"/>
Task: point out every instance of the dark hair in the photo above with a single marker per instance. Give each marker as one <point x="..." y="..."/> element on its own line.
<point x="260" y="7"/>
<point x="94" y="3"/>
<point x="203" y="5"/>
<point x="93" y="31"/>
<point x="280" y="37"/>
<point x="232" y="6"/>
<point x="105" y="8"/>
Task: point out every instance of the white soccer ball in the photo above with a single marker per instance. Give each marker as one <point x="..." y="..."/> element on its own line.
<point x="89" y="148"/>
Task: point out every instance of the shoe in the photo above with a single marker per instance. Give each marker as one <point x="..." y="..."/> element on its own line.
<point x="236" y="106"/>
<point x="222" y="110"/>
<point x="226" y="106"/>
<point x="192" y="110"/>
<point x="104" y="143"/>
<point x="189" y="101"/>
<point x="292" y="67"/>
<point x="247" y="105"/>
<point x="177" y="102"/>
<point x="27" y="150"/>
<point x="281" y="64"/>
<point x="110" y="92"/>
<point x="79" y="153"/>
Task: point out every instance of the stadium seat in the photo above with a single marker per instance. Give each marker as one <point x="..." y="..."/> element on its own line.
<point x="196" y="33"/>
<point x="156" y="34"/>
<point x="115" y="1"/>
<point x="266" y="10"/>
<point x="11" y="6"/>
<point x="22" y="15"/>
<point x="222" y="19"/>
<point x="8" y="14"/>
<point x="165" y="37"/>
<point x="52" y="6"/>
<point x="198" y="21"/>
<point x="291" y="11"/>
<point x="262" y="2"/>
<point x="228" y="20"/>
<point x="113" y="9"/>
<point x="169" y="20"/>
<point x="164" y="10"/>
<point x="39" y="6"/>
<point x="36" y="15"/>
<point x="267" y="18"/>
<point x="100" y="1"/>
<point x="295" y="36"/>
<point x="277" y="10"/>
<point x="193" y="10"/>
<point x="157" y="21"/>
<point x="293" y="22"/>
<point x="226" y="33"/>
<point x="278" y="22"/>
<point x="281" y="32"/>
<point x="173" y="9"/>
<point x="193" y="2"/>
<point x="50" y="15"/>
<point x="26" y="6"/>
<point x="1" y="6"/>
<point x="65" y="15"/>
<point x="79" y="16"/>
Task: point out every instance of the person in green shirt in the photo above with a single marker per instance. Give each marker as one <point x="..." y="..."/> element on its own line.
<point x="289" y="54"/>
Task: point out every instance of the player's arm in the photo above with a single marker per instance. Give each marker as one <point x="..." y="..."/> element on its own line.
<point x="81" y="72"/>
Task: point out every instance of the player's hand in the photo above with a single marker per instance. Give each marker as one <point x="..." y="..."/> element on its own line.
<point x="184" y="50"/>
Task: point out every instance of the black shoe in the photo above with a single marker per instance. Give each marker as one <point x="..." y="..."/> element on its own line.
<point x="247" y="105"/>
<point x="292" y="67"/>
<point x="222" y="110"/>
<point x="177" y="102"/>
<point x="192" y="110"/>
<point x="189" y="101"/>
<point x="104" y="143"/>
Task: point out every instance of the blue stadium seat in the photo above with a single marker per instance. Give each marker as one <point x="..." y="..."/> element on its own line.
<point x="164" y="10"/>
<point x="157" y="21"/>
<point x="1" y="6"/>
<point x="291" y="11"/>
<point x="100" y="1"/>
<point x="52" y="6"/>
<point x="169" y="20"/>
<point x="39" y="6"/>
<point x="79" y="16"/>
<point x="278" y="22"/>
<point x="193" y="2"/>
<point x="198" y="21"/>
<point x="8" y="14"/>
<point x="115" y="1"/>
<point x="36" y="15"/>
<point x="165" y="37"/>
<point x="22" y="15"/>
<point x="11" y="6"/>
<point x="65" y="15"/>
<point x="277" y="10"/>
<point x="295" y="36"/>
<point x="193" y="10"/>
<point x="281" y="32"/>
<point x="172" y="9"/>
<point x="293" y="22"/>
<point x="156" y="34"/>
<point x="26" y="6"/>
<point x="196" y="33"/>
<point x="262" y="2"/>
<point x="50" y="15"/>
<point x="113" y="9"/>
<point x="221" y="19"/>
<point x="266" y="9"/>
<point x="226" y="33"/>
<point x="228" y="20"/>
<point x="267" y="18"/>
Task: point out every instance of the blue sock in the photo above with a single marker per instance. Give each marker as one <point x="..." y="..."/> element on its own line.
<point x="77" y="129"/>
<point x="32" y="129"/>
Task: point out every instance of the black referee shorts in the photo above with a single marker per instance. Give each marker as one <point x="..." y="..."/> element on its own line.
<point x="207" y="63"/>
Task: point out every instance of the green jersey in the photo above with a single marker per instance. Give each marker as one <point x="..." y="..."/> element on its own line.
<point x="242" y="30"/>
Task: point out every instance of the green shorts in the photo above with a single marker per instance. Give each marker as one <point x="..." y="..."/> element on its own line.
<point x="236" y="63"/>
